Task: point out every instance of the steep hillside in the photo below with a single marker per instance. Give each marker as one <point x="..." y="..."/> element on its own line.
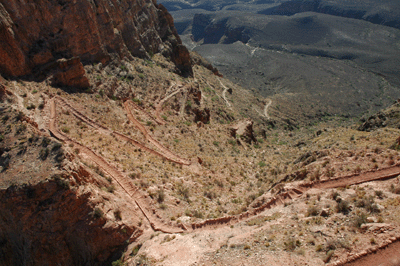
<point x="152" y="165"/>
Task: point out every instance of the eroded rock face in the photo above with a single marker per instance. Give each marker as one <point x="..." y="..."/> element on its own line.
<point x="51" y="224"/>
<point x="202" y="115"/>
<point x="70" y="72"/>
<point x="244" y="131"/>
<point x="34" y="33"/>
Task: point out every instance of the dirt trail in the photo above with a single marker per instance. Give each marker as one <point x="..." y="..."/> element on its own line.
<point x="166" y="152"/>
<point x="158" y="225"/>
<point x="294" y="193"/>
<point x="123" y="181"/>
<point x="160" y="103"/>
<point x="266" y="109"/>
<point x="355" y="179"/>
<point x="104" y="130"/>
<point x="224" y="93"/>
<point x="386" y="255"/>
<point x="141" y="110"/>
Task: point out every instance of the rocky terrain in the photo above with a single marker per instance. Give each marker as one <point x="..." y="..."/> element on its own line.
<point x="303" y="51"/>
<point x="114" y="155"/>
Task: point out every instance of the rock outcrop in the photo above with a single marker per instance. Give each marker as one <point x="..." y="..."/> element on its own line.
<point x="36" y="33"/>
<point x="52" y="224"/>
<point x="202" y="115"/>
<point x="389" y="117"/>
<point x="243" y="131"/>
<point x="70" y="72"/>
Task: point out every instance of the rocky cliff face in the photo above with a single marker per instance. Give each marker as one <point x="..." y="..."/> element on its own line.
<point x="35" y="34"/>
<point x="52" y="224"/>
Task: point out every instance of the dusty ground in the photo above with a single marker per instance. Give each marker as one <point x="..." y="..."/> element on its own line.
<point x="221" y="178"/>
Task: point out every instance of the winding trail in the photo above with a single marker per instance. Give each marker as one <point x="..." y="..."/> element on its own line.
<point x="224" y="93"/>
<point x="123" y="181"/>
<point x="157" y="224"/>
<point x="160" y="103"/>
<point x="166" y="152"/>
<point x="266" y="109"/>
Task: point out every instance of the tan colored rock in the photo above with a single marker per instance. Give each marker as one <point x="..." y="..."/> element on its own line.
<point x="376" y="227"/>
<point x="244" y="131"/>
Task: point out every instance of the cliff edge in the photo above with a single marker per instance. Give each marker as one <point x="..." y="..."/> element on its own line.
<point x="36" y="34"/>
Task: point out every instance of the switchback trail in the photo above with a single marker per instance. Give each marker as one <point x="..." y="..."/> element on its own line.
<point x="159" y="225"/>
<point x="123" y="181"/>
<point x="166" y="152"/>
<point x="160" y="103"/>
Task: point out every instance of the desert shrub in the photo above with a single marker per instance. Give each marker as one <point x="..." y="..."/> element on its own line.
<point x="21" y="128"/>
<point x="198" y="214"/>
<point x="328" y="256"/>
<point x="232" y="142"/>
<point x="19" y="116"/>
<point x="372" y="207"/>
<point x="43" y="153"/>
<point x="98" y="213"/>
<point x="319" y="248"/>
<point x="117" y="263"/>
<point x="330" y="172"/>
<point x="160" y="195"/>
<point x="56" y="146"/>
<point x="184" y="192"/>
<point x="117" y="215"/>
<point x="65" y="129"/>
<point x="395" y="190"/>
<point x="210" y="194"/>
<point x="334" y="195"/>
<point x="312" y="211"/>
<point x="343" y="207"/>
<point x="135" y="250"/>
<point x="111" y="189"/>
<point x="291" y="244"/>
<point x="360" y="219"/>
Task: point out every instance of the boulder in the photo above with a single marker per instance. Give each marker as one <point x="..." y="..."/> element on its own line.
<point x="202" y="115"/>
<point x="70" y="73"/>
<point x="244" y="131"/>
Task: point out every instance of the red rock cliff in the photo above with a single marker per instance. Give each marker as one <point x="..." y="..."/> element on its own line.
<point x="34" y="33"/>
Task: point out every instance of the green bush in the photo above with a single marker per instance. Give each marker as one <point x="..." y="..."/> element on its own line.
<point x="360" y="219"/>
<point x="312" y="211"/>
<point x="98" y="213"/>
<point x="262" y="164"/>
<point x="160" y="195"/>
<point x="343" y="207"/>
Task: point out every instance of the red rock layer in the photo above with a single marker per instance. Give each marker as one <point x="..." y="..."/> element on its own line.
<point x="34" y="33"/>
